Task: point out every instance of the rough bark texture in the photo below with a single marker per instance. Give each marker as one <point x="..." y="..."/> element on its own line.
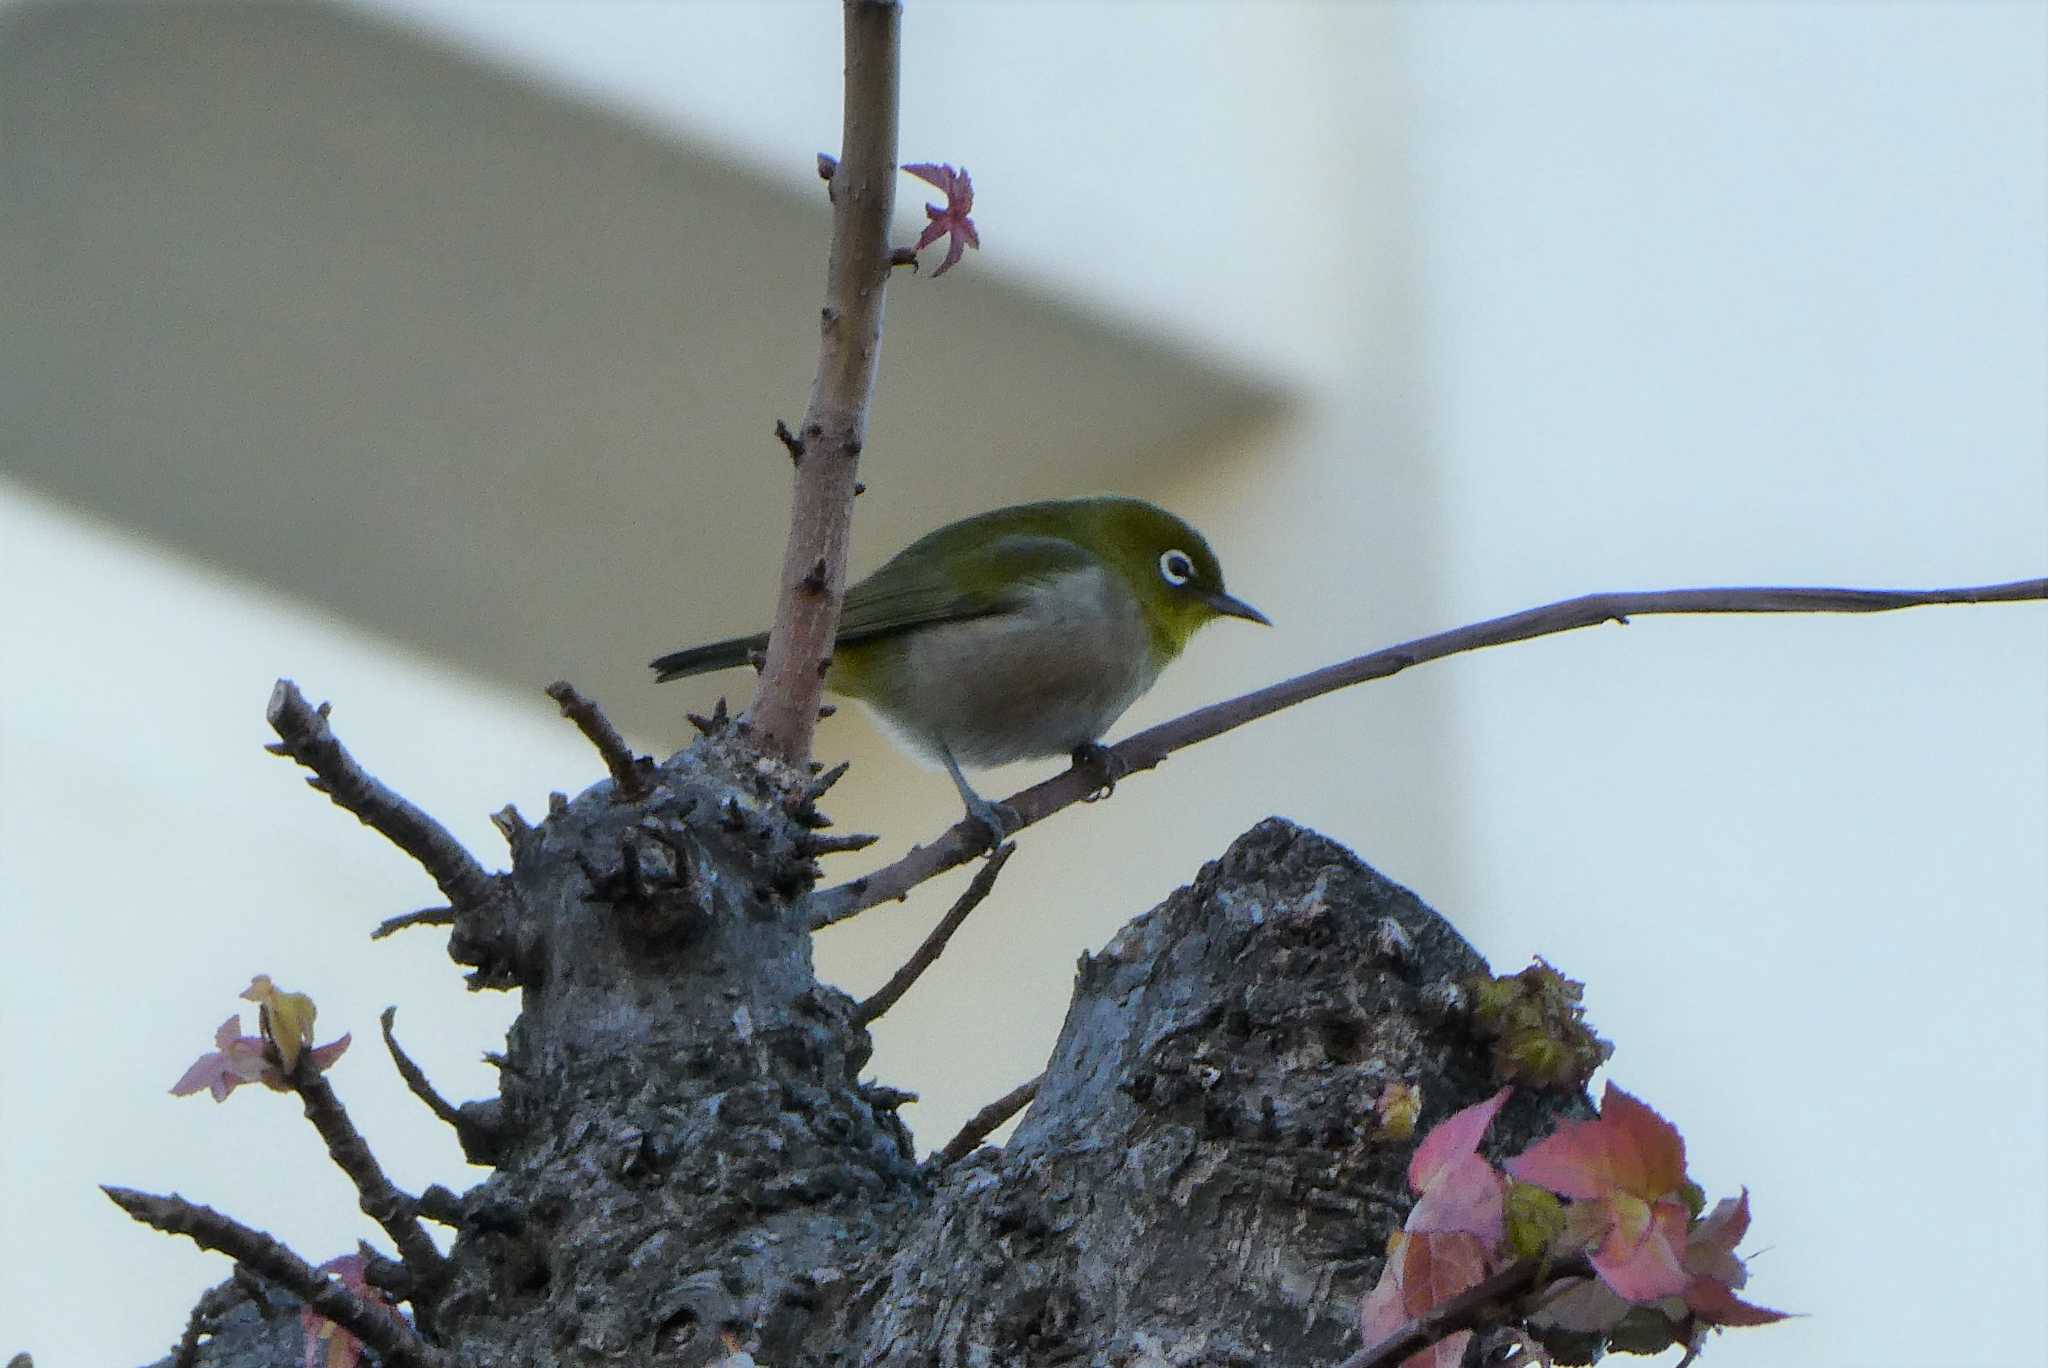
<point x="685" y="1150"/>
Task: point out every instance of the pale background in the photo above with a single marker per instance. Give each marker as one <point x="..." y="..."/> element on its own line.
<point x="1424" y="313"/>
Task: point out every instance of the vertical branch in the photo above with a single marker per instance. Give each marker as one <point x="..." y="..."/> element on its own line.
<point x="785" y="711"/>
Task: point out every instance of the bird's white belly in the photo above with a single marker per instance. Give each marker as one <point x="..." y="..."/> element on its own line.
<point x="1041" y="680"/>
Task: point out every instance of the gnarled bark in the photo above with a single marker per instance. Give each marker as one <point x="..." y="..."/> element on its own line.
<point x="687" y="1156"/>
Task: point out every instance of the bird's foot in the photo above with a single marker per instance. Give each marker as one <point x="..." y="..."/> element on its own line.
<point x="998" y="819"/>
<point x="1107" y="765"/>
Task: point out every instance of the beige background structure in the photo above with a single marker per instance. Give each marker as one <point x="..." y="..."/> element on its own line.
<point x="426" y="350"/>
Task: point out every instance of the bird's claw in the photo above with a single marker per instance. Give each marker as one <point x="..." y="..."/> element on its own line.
<point x="1107" y="764"/>
<point x="997" y="819"/>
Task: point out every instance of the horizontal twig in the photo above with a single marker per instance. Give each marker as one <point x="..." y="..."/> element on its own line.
<point x="632" y="775"/>
<point x="395" y="1341"/>
<point x="934" y="944"/>
<point x="986" y="1120"/>
<point x="304" y="736"/>
<point x="811" y="843"/>
<point x="968" y="838"/>
<point x="426" y="916"/>
<point x="441" y="1206"/>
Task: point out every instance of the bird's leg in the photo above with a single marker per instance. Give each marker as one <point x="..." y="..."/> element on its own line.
<point x="1093" y="755"/>
<point x="997" y="818"/>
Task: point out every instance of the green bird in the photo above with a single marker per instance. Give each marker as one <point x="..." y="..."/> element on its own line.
<point x="1017" y="633"/>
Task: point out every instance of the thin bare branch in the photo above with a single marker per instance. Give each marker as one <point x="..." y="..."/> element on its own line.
<point x="415" y="1077"/>
<point x="863" y="192"/>
<point x="987" y="1119"/>
<point x="935" y="944"/>
<point x="380" y="1200"/>
<point x="426" y="916"/>
<point x="967" y="839"/>
<point x="632" y="775"/>
<point x="304" y="736"/>
<point x="394" y="1340"/>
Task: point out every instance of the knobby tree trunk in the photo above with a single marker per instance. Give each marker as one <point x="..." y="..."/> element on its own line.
<point x="686" y="1155"/>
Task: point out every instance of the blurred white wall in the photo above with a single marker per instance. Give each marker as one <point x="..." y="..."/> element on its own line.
<point x="1570" y="298"/>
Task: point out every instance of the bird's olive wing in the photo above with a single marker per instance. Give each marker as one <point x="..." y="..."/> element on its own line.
<point x="939" y="582"/>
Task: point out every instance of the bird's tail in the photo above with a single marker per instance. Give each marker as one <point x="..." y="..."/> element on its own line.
<point x="718" y="655"/>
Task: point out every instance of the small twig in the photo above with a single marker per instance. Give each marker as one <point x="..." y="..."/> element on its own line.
<point x="255" y="1289"/>
<point x="813" y="843"/>
<point x="632" y="775"/>
<point x="426" y="916"/>
<point x="719" y="720"/>
<point x="204" y="1320"/>
<point x="415" y="1077"/>
<point x="789" y="440"/>
<point x="387" y="1275"/>
<point x="512" y="825"/>
<point x="1477" y="1306"/>
<point x="834" y="427"/>
<point x="822" y="782"/>
<point x="395" y="1341"/>
<point x="380" y="1200"/>
<point x="987" y="1119"/>
<point x="304" y="736"/>
<point x="968" y="838"/>
<point x="935" y="944"/>
<point x="197" y="1325"/>
<point x="441" y="1206"/>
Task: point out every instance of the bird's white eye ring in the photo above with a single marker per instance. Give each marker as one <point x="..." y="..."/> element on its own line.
<point x="1175" y="567"/>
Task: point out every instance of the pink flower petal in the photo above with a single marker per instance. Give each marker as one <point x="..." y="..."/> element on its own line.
<point x="1643" y="1260"/>
<point x="1646" y="1151"/>
<point x="341" y="1348"/>
<point x="1422" y="1272"/>
<point x="1435" y="1268"/>
<point x="325" y="1055"/>
<point x="1629" y="1149"/>
<point x="1466" y="1197"/>
<point x="1572" y="1163"/>
<point x="1452" y="1138"/>
<point x="1721" y="1229"/>
<point x="246" y="1058"/>
<point x="1716" y="1304"/>
<point x="1379" y="1312"/>
<point x="951" y="222"/>
<point x="208" y="1073"/>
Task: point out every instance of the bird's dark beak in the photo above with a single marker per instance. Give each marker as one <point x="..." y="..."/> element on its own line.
<point x="1237" y="608"/>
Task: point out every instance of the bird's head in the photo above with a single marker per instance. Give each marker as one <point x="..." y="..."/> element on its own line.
<point x="1169" y="567"/>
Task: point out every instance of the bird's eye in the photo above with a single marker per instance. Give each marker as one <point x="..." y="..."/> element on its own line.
<point x="1175" y="567"/>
